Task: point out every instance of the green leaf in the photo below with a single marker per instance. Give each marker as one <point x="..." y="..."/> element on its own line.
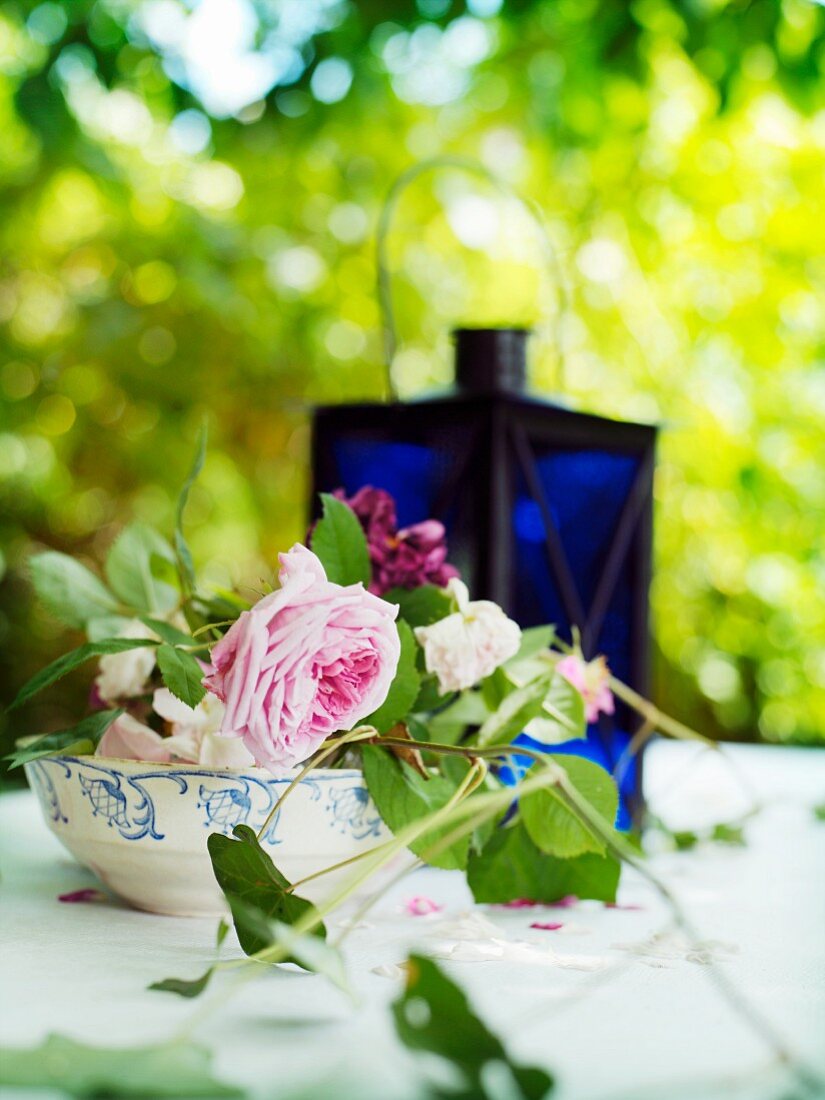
<point x="184" y="987"/>
<point x="132" y="574"/>
<point x="245" y="873"/>
<point x="310" y="952"/>
<point x="78" y="740"/>
<point x="182" y="674"/>
<point x="404" y="688"/>
<point x="69" y="590"/>
<point x="429" y="696"/>
<point x="433" y="1015"/>
<point x="684" y="839"/>
<point x="819" y="811"/>
<point x="339" y="541"/>
<point x="533" y="640"/>
<point x="728" y="834"/>
<point x="167" y="632"/>
<point x="514" y="712"/>
<point x="495" y="688"/>
<point x="222" y="933"/>
<point x="421" y="606"/>
<point x="186" y="568"/>
<point x="511" y="866"/>
<point x="565" y="705"/>
<point x="107" y="626"/>
<point x="553" y="825"/>
<point x="402" y="796"/>
<point x="63" y="665"/>
<point x="176" y="1069"/>
<point x="313" y="953"/>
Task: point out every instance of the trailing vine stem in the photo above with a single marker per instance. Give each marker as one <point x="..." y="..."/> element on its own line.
<point x="624" y="852"/>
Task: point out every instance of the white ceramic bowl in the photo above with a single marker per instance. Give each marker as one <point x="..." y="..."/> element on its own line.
<point x="142" y="827"/>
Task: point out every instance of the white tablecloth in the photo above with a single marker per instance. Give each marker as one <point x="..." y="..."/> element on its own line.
<point x="618" y="1017"/>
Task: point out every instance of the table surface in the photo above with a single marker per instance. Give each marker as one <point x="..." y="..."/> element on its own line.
<point x="615" y="1005"/>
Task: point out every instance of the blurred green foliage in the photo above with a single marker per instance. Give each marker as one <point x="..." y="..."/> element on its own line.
<point x="188" y="196"/>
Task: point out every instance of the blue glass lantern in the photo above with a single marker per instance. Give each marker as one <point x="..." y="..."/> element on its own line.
<point x="548" y="511"/>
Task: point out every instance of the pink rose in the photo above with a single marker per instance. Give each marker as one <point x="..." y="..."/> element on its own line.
<point x="308" y="660"/>
<point x="592" y="680"/>
<point x="128" y="739"/>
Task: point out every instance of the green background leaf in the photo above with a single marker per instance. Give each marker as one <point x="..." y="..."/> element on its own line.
<point x="75" y="657"/>
<point x="131" y="571"/>
<point x="69" y="590"/>
<point x="340" y="543"/>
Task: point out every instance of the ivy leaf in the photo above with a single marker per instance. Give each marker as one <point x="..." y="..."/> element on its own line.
<point x="511" y="866"/>
<point x="247" y="875"/>
<point x="78" y="740"/>
<point x="421" y="606"/>
<point x="340" y="543"/>
<point x="182" y="674"/>
<point x="553" y="825"/>
<point x="63" y="665"/>
<point x="184" y="987"/>
<point x="132" y="574"/>
<point x="404" y="688"/>
<point x="186" y="568"/>
<point x="433" y="1015"/>
<point x="69" y="590"/>
<point x="402" y="796"/>
<point x="515" y="711"/>
<point x="162" y="1070"/>
<point x="310" y="952"/>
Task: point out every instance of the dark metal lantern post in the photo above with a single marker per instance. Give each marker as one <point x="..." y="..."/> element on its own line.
<point x="548" y="511"/>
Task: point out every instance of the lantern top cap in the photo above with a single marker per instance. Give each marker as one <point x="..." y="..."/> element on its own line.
<point x="491" y="360"/>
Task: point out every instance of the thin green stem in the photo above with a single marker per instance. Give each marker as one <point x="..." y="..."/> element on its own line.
<point x="360" y="733"/>
<point x="472" y="780"/>
<point x="336" y="866"/>
<point x="212" y="626"/>
<point x="649" y="711"/>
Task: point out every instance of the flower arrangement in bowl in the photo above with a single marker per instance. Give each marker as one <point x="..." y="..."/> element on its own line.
<point x="276" y="756"/>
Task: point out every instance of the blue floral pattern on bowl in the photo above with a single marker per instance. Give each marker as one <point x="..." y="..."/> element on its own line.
<point x="94" y="804"/>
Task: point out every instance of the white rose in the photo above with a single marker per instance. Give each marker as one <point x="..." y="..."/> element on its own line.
<point x="471" y="643"/>
<point x="196" y="732"/>
<point x="125" y="675"/>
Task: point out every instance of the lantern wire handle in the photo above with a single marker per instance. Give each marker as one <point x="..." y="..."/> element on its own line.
<point x="389" y="327"/>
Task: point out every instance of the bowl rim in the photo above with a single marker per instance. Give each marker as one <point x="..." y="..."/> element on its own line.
<point x="191" y="766"/>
